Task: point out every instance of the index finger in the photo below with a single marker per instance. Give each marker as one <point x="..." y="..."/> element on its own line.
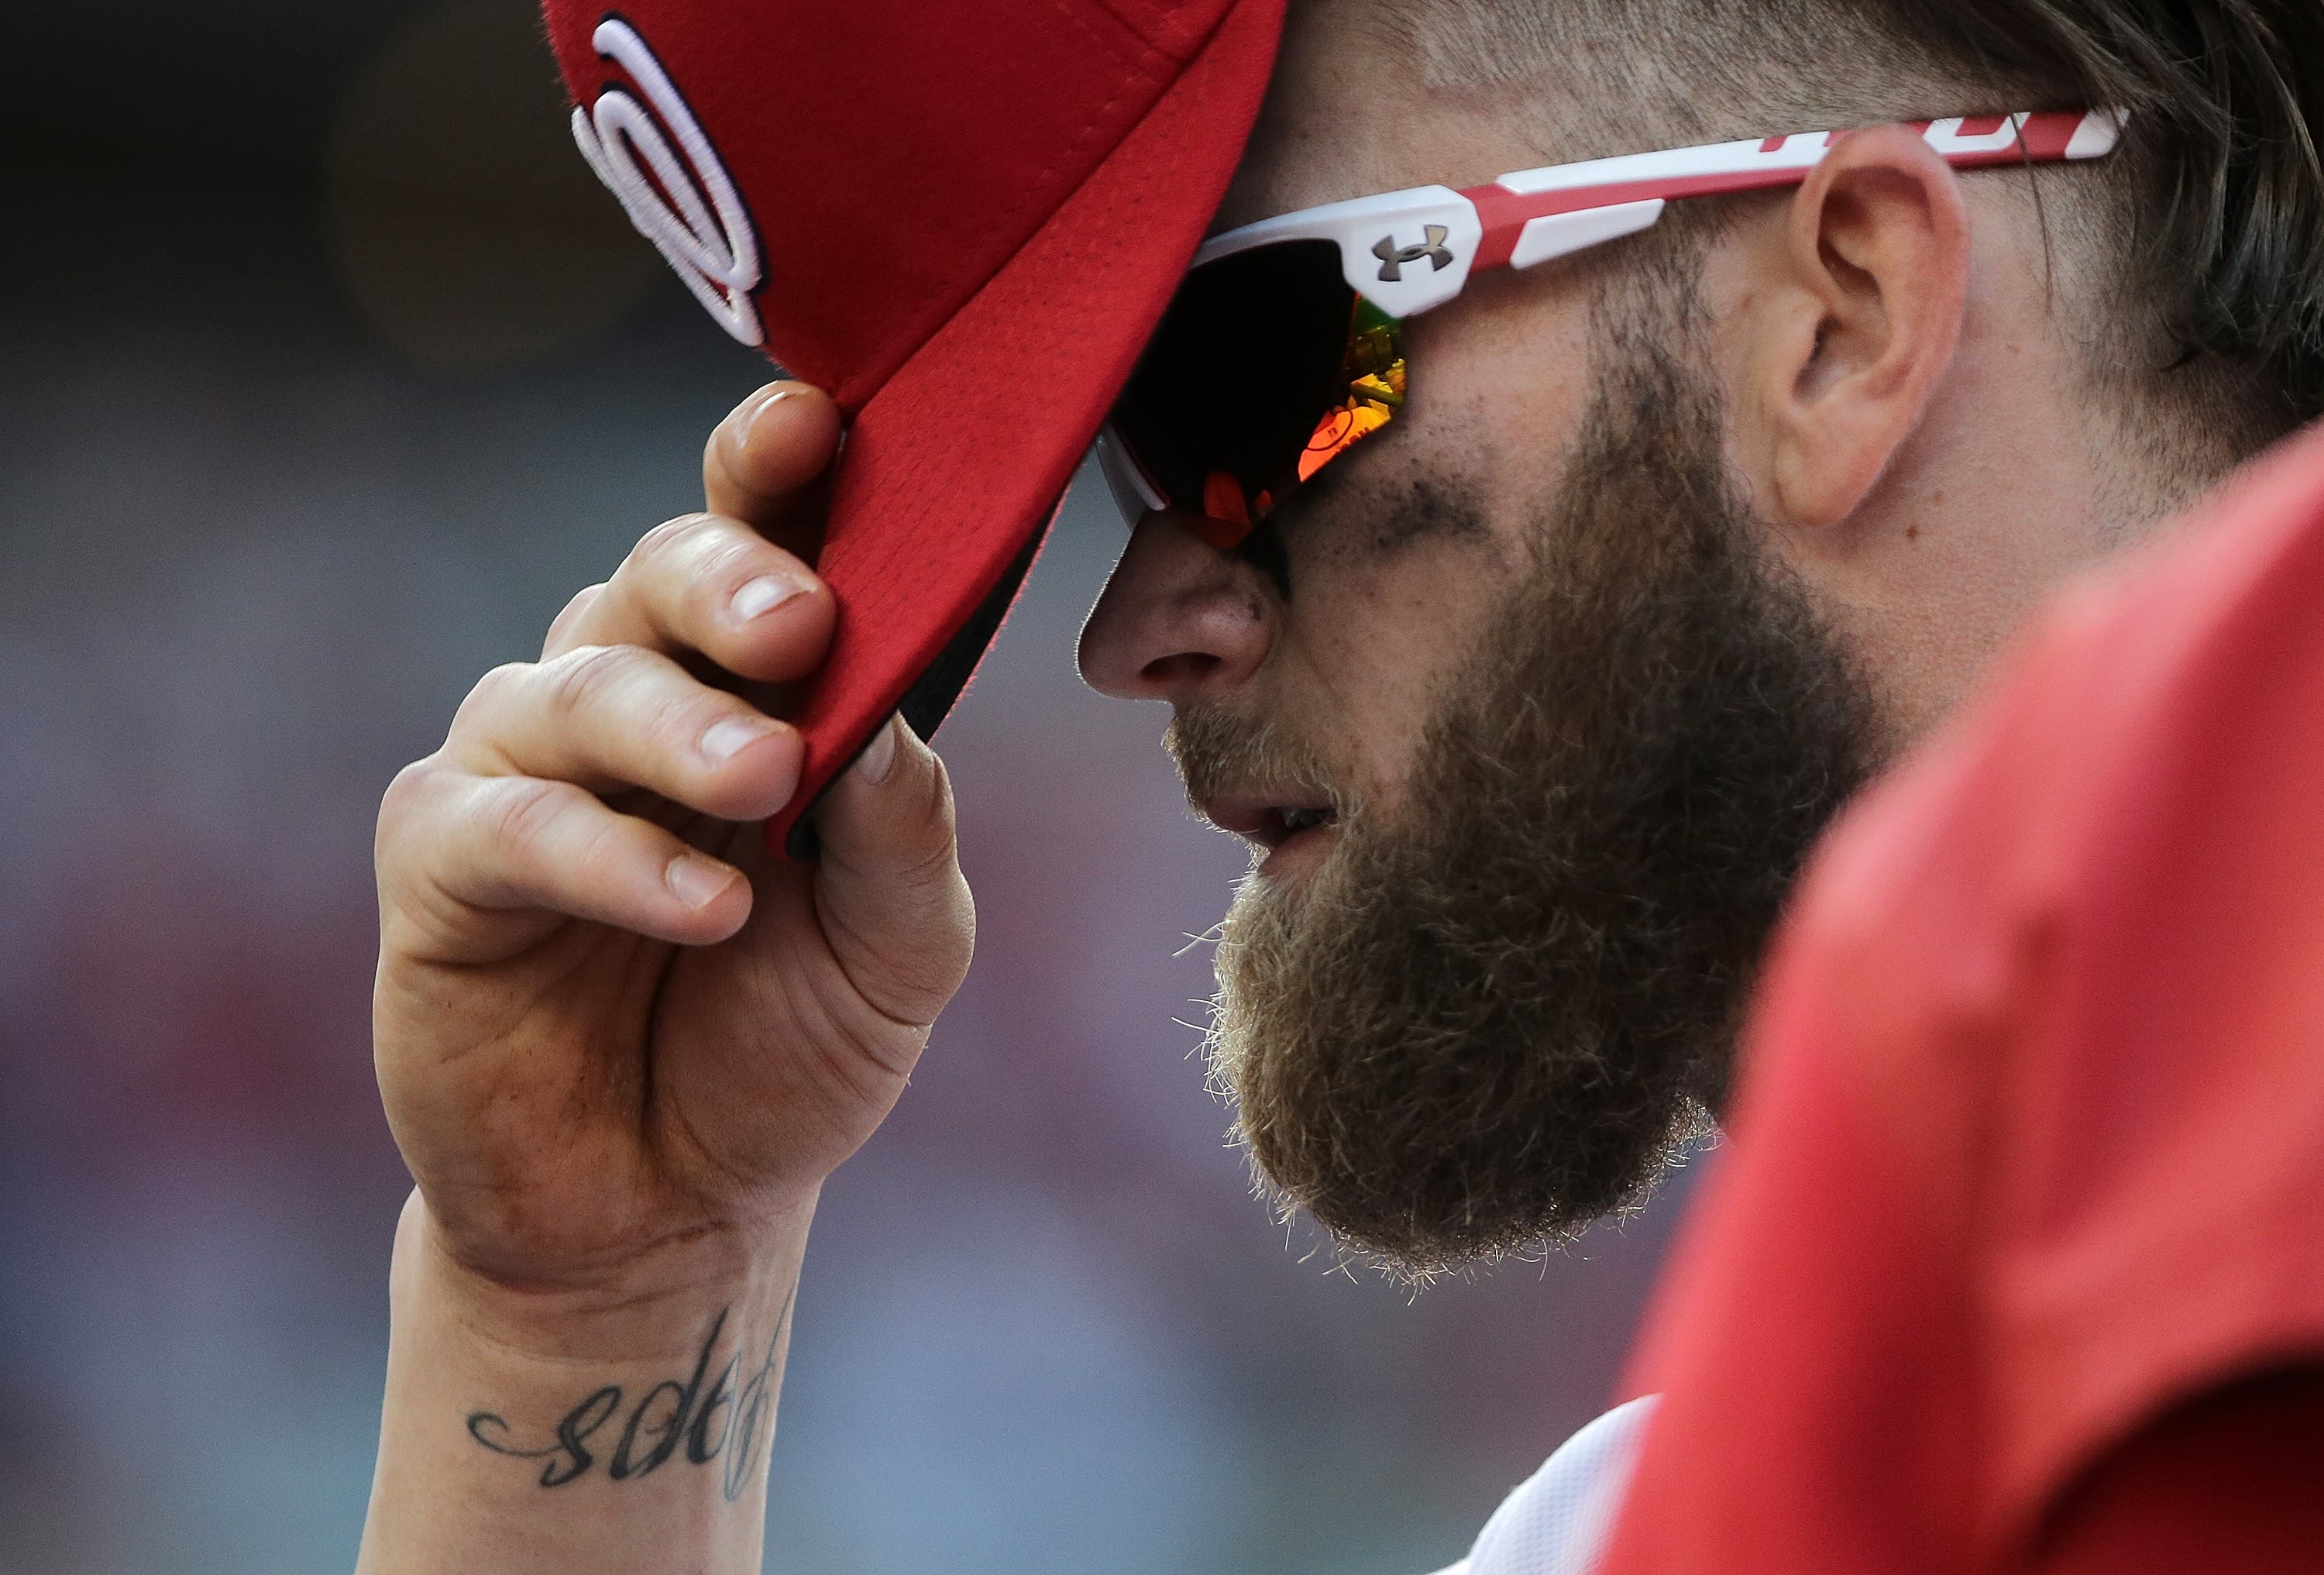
<point x="765" y="464"/>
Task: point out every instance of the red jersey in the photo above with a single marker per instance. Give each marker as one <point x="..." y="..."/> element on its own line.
<point x="2030" y="1145"/>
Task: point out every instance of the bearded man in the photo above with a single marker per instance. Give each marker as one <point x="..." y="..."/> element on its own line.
<point x="1533" y="568"/>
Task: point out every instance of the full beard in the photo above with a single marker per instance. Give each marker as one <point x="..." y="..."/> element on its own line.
<point x="1500" y="1012"/>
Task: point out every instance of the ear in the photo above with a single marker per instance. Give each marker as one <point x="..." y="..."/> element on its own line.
<point x="1870" y="281"/>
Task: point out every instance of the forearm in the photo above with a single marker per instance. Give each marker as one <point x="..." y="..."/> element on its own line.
<point x="624" y="1436"/>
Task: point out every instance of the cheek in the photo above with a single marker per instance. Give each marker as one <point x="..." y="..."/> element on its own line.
<point x="1428" y="532"/>
<point x="1502" y="380"/>
<point x="1372" y="644"/>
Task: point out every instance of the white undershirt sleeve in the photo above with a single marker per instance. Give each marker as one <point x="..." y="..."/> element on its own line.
<point x="1558" y="1521"/>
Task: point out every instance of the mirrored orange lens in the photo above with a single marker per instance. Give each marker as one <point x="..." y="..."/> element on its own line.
<point x="1375" y="374"/>
<point x="1222" y="500"/>
<point x="1267" y="367"/>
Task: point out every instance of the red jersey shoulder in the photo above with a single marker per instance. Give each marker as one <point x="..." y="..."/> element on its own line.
<point x="2052" y="1010"/>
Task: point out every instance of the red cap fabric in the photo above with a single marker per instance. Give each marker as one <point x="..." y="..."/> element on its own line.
<point x="963" y="221"/>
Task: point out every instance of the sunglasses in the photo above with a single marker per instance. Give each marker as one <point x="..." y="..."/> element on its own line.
<point x="1284" y="346"/>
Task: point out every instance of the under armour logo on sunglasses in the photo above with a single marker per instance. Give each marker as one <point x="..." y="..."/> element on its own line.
<point x="1393" y="257"/>
<point x="715" y="247"/>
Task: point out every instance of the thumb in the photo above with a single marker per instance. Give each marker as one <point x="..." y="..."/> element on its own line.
<point x="888" y="887"/>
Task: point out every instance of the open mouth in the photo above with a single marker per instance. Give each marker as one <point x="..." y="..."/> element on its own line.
<point x="1271" y="827"/>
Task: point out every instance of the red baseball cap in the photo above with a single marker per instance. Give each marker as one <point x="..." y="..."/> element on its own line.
<point x="962" y="221"/>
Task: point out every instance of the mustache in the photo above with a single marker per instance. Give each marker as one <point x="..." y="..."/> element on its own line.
<point x="1222" y="754"/>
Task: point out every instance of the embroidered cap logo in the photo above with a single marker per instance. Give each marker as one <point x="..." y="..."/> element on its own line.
<point x="714" y="247"/>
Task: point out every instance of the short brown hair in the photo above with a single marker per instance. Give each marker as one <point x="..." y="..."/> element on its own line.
<point x="2216" y="231"/>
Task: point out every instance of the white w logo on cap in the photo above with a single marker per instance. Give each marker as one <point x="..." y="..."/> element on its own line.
<point x="715" y="249"/>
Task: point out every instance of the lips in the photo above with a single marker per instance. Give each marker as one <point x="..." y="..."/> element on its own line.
<point x="1269" y="821"/>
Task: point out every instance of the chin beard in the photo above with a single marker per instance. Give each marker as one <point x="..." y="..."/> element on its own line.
<point x="1499" y="1013"/>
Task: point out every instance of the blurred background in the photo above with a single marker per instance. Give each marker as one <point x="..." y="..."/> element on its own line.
<point x="327" y="374"/>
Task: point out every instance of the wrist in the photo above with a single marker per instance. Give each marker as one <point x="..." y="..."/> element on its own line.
<point x="621" y="1425"/>
<point x="646" y="1306"/>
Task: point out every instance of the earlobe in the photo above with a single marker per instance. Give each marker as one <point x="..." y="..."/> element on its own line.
<point x="1875" y="259"/>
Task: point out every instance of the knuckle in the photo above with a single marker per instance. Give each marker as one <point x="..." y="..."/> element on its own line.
<point x="522" y="812"/>
<point x="708" y="548"/>
<point x="724" y="556"/>
<point x="907" y="972"/>
<point x="674" y="719"/>
<point x="602" y="850"/>
<point x="720" y="544"/>
<point x="400" y="933"/>
<point x="409" y="851"/>
<point x="486" y="695"/>
<point x="667" y="541"/>
<point x="575" y="608"/>
<point x="400" y="806"/>
<point x="931" y="971"/>
<point x="405" y="789"/>
<point x="941" y="810"/>
<point x="584" y="679"/>
<point x="933" y="826"/>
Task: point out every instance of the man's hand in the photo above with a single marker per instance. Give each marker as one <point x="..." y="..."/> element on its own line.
<point x="611" y="1025"/>
<point x="621" y="1045"/>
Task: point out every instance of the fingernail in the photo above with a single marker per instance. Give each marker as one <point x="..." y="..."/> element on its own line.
<point x="747" y="421"/>
<point x="724" y="739"/>
<point x="764" y="595"/>
<point x="879" y="756"/>
<point x="696" y="880"/>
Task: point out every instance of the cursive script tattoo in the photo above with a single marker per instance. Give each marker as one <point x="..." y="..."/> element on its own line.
<point x="722" y="1422"/>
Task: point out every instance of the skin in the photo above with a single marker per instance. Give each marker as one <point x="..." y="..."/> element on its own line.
<point x="1894" y="381"/>
<point x="620" y="1061"/>
<point x="620" y="1048"/>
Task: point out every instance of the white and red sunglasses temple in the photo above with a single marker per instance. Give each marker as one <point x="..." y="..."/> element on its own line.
<point x="1409" y="251"/>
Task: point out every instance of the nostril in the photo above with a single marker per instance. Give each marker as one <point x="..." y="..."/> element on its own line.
<point x="1185" y="667"/>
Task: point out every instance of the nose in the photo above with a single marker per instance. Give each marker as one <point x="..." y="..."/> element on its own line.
<point x="1179" y="621"/>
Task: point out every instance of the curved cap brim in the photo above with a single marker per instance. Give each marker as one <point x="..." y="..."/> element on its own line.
<point x="953" y="471"/>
